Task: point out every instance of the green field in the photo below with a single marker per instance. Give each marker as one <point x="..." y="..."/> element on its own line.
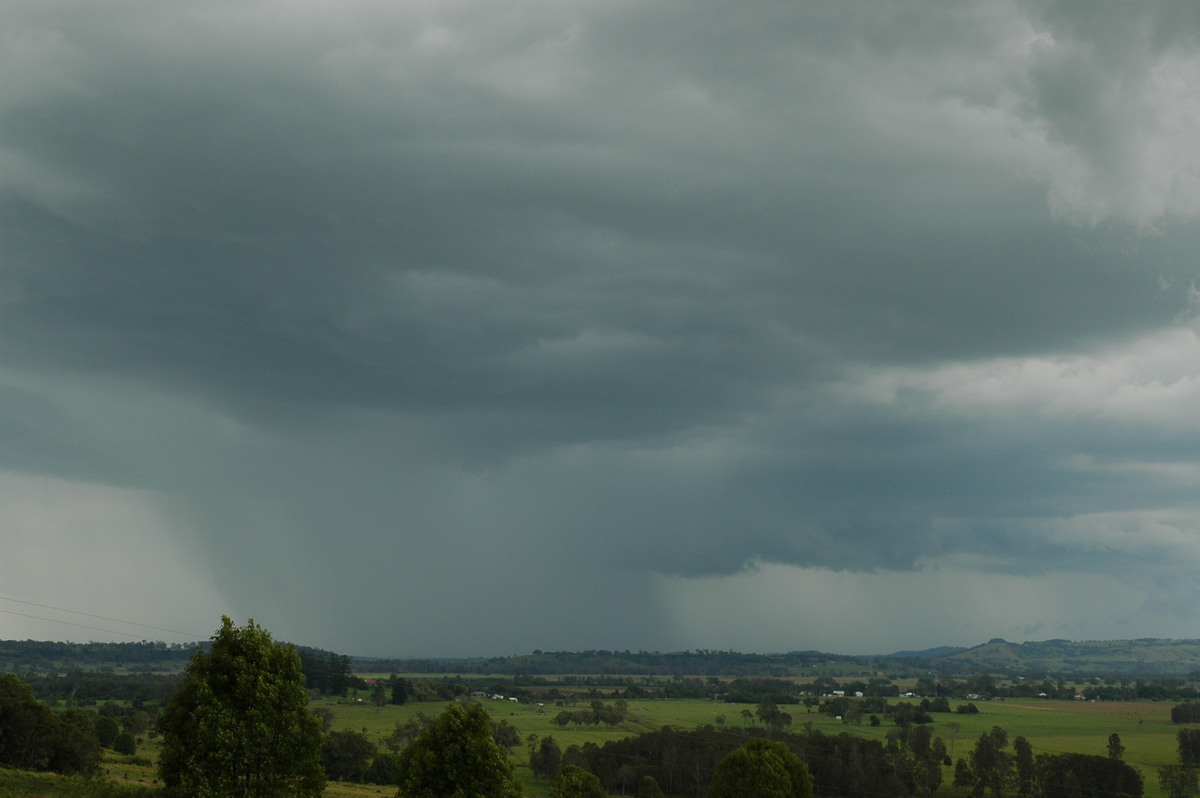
<point x="1052" y="727"/>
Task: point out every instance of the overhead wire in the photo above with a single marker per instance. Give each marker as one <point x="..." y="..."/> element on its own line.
<point x="92" y="615"/>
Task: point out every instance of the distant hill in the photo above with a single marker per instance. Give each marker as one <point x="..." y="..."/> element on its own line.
<point x="620" y="663"/>
<point x="1148" y="657"/>
<point x="928" y="653"/>
<point x="1144" y="657"/>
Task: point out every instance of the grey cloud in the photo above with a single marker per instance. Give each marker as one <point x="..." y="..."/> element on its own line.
<point x="578" y="286"/>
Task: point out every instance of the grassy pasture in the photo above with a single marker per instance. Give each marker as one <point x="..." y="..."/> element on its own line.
<point x="1052" y="727"/>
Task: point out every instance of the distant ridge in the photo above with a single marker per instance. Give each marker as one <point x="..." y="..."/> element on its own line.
<point x="928" y="653"/>
<point x="1146" y="657"/>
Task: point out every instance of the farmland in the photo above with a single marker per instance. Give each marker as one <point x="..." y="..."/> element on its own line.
<point x="632" y="694"/>
<point x="1145" y="728"/>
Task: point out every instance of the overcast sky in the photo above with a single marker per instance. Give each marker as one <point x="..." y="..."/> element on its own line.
<point x="469" y="328"/>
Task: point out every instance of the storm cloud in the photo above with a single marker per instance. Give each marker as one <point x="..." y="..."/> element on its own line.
<point x="463" y="328"/>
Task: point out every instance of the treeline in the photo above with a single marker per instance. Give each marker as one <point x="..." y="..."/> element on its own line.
<point x="78" y="688"/>
<point x="908" y="762"/>
<point x="34" y="738"/>
<point x="325" y="673"/>
<point x="603" y="662"/>
<point x="40" y="657"/>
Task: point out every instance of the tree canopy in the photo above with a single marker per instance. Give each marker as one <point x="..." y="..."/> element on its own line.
<point x="762" y="768"/>
<point x="34" y="738"/>
<point x="456" y="757"/>
<point x="239" y="725"/>
<point x="575" y="782"/>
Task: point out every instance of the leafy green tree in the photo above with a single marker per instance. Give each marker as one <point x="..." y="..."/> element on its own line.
<point x="1178" y="781"/>
<point x="73" y="745"/>
<point x="1189" y="747"/>
<point x="1115" y="749"/>
<point x="325" y="716"/>
<point x="991" y="763"/>
<point x="963" y="777"/>
<point x="125" y="743"/>
<point x="239" y="725"/>
<point x="456" y="757"/>
<point x="648" y="788"/>
<point x="399" y="689"/>
<point x="1087" y="775"/>
<point x="406" y="731"/>
<point x="384" y="769"/>
<point x="136" y="722"/>
<point x="346" y="755"/>
<point x="107" y="730"/>
<point x="764" y="769"/>
<point x="546" y="761"/>
<point x="34" y="738"/>
<point x="1023" y="760"/>
<point x="575" y="782"/>
<point x="506" y="735"/>
<point x="927" y="752"/>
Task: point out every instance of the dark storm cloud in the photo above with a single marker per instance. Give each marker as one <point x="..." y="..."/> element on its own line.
<point x="592" y="288"/>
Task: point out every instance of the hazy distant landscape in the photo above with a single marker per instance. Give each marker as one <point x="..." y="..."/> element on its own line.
<point x="1146" y="657"/>
<point x="588" y="707"/>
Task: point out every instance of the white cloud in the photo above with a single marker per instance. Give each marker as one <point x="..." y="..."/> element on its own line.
<point x="1153" y="381"/>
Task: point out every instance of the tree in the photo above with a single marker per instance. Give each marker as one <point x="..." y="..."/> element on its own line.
<point x="546" y="761"/>
<point x="1178" y="781"/>
<point x="34" y="738"/>
<point x="125" y="743"/>
<point x="384" y="769"/>
<point x="1189" y="747"/>
<point x="1023" y="760"/>
<point x="1088" y="775"/>
<point x="927" y="752"/>
<point x="405" y="732"/>
<point x="325" y="716"/>
<point x="399" y="689"/>
<point x="506" y="735"/>
<point x="346" y="755"/>
<point x="990" y="762"/>
<point x="953" y="727"/>
<point x="648" y="788"/>
<point x="456" y="757"/>
<point x="575" y="782"/>
<point x="1115" y="749"/>
<point x="762" y="768"/>
<point x="73" y="746"/>
<point x="239" y="725"/>
<point x="107" y="730"/>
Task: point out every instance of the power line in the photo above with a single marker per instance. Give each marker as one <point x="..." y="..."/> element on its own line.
<point x="92" y="615"/>
<point x="69" y="623"/>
